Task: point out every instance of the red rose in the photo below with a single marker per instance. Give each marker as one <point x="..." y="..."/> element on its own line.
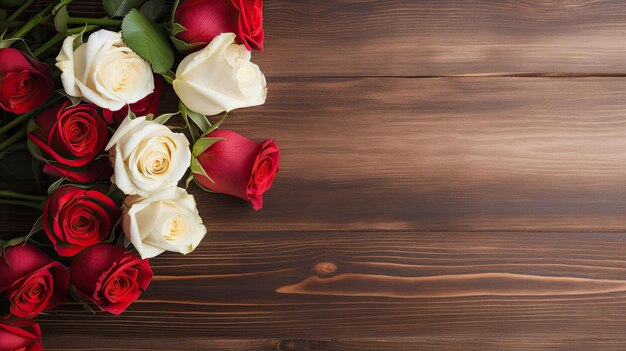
<point x="31" y="281"/>
<point x="20" y="336"/>
<point x="239" y="166"/>
<point x="204" y="20"/>
<point x="76" y="218"/>
<point x="143" y="107"/>
<point x="110" y="277"/>
<point x="25" y="83"/>
<point x="72" y="137"/>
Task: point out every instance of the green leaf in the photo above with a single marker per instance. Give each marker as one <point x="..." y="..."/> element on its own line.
<point x="54" y="186"/>
<point x="119" y="8"/>
<point x="38" y="226"/>
<point x="74" y="99"/>
<point x="177" y="28"/>
<point x="196" y="168"/>
<point x="148" y="41"/>
<point x="162" y="119"/>
<point x="183" y="113"/>
<point x="215" y="125"/>
<point x="169" y="76"/>
<point x="60" y="19"/>
<point x="202" y="144"/>
<point x="153" y="9"/>
<point x="183" y="46"/>
<point x="131" y="114"/>
<point x="200" y="120"/>
<point x="35" y="152"/>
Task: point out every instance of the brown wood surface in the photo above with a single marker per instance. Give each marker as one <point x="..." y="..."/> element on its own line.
<point x="431" y="195"/>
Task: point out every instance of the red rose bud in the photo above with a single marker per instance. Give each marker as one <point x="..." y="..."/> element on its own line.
<point x="25" y="83"/>
<point x="143" y="107"/>
<point x="72" y="137"/>
<point x="31" y="281"/>
<point x="76" y="218"/>
<point x="229" y="163"/>
<point x="110" y="277"/>
<point x="204" y="20"/>
<point x="20" y="335"/>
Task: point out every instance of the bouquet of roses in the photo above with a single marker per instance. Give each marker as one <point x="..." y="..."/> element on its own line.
<point x="118" y="172"/>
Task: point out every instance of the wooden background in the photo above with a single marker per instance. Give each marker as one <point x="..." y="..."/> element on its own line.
<point x="453" y="177"/>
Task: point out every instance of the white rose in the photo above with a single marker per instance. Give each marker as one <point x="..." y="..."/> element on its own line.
<point x="147" y="156"/>
<point x="220" y="78"/>
<point x="104" y="71"/>
<point x="165" y="221"/>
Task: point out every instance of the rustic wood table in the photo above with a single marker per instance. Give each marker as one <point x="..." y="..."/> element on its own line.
<point x="453" y="178"/>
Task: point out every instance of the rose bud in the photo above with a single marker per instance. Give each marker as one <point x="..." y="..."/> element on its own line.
<point x="22" y="335"/>
<point x="25" y="83"/>
<point x="143" y="107"/>
<point x="71" y="137"/>
<point x="204" y="20"/>
<point x="219" y="78"/>
<point x="76" y="218"/>
<point x="164" y="221"/>
<point x="31" y="281"/>
<point x="235" y="165"/>
<point x="110" y="277"/>
<point x="147" y="156"/>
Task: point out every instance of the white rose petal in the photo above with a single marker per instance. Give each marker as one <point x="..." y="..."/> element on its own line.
<point x="147" y="156"/>
<point x="104" y="71"/>
<point x="220" y="78"/>
<point x="165" y="221"/>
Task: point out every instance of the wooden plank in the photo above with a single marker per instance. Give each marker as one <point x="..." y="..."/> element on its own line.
<point x="436" y="37"/>
<point x="459" y="154"/>
<point x="449" y="37"/>
<point x="532" y="287"/>
<point x="437" y="154"/>
<point x="460" y="343"/>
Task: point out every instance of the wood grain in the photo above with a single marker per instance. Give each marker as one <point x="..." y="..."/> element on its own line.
<point x="468" y="209"/>
<point x="426" y="38"/>
<point x="241" y="285"/>
<point x="457" y="343"/>
<point x="436" y="37"/>
<point x="459" y="154"/>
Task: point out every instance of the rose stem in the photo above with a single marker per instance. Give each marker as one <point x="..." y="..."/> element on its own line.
<point x="20" y="10"/>
<point x="15" y="195"/>
<point x="25" y="116"/>
<point x="22" y="203"/>
<point x="105" y="21"/>
<point x="13" y="138"/>
<point x="40" y="17"/>
<point x="59" y="38"/>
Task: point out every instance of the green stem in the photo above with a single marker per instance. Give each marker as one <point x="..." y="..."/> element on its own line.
<point x="20" y="196"/>
<point x="22" y="203"/>
<point x="59" y="38"/>
<point x="105" y="21"/>
<point x="26" y="116"/>
<point x="20" y="10"/>
<point x="12" y="139"/>
<point x="16" y="121"/>
<point x="40" y="17"/>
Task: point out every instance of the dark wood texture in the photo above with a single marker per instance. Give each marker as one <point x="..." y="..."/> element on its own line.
<point x="431" y="195"/>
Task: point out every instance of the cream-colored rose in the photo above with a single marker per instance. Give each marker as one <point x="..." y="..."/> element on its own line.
<point x="104" y="71"/>
<point x="165" y="221"/>
<point x="220" y="78"/>
<point x="147" y="156"/>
